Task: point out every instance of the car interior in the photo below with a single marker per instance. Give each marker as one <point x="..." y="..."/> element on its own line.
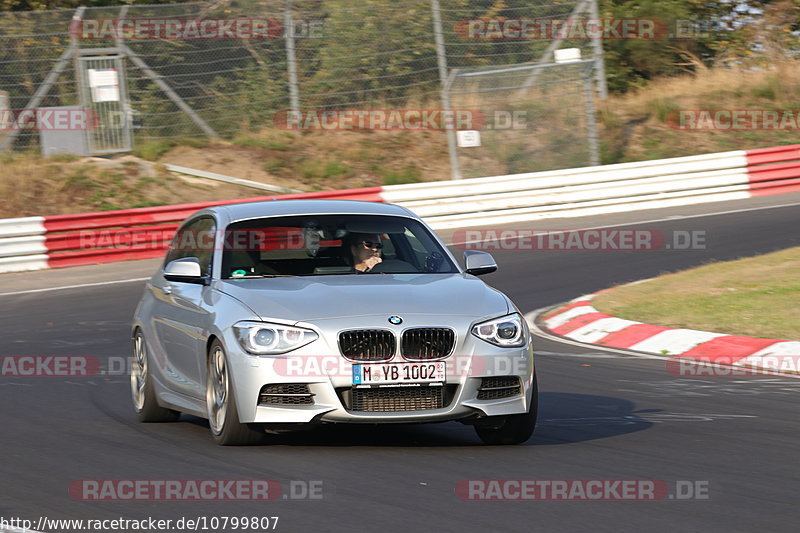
<point x="311" y="247"/>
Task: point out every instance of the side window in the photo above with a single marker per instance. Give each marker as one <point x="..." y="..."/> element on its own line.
<point x="194" y="240"/>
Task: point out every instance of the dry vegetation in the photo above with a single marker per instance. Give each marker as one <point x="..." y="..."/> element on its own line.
<point x="636" y="126"/>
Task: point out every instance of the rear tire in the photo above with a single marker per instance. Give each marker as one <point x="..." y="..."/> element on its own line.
<point x="143" y="393"/>
<point x="223" y="416"/>
<point x="511" y="429"/>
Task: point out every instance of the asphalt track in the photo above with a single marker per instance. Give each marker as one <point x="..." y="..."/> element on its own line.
<point x="603" y="415"/>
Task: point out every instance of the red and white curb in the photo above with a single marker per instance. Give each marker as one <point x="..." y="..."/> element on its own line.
<point x="579" y="321"/>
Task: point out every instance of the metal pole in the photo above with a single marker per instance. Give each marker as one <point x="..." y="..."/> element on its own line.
<point x="127" y="110"/>
<point x="8" y="142"/>
<point x="441" y="57"/>
<point x="547" y="53"/>
<point x="291" y="62"/>
<point x="159" y="80"/>
<point x="600" y="65"/>
<point x="591" y="122"/>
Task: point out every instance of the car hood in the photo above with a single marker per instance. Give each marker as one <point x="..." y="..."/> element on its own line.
<point x="321" y="297"/>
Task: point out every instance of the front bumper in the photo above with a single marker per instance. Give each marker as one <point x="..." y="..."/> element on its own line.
<point x="329" y="374"/>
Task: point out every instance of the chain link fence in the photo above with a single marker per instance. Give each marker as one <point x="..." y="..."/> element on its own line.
<point x="315" y="55"/>
<point x="537" y="117"/>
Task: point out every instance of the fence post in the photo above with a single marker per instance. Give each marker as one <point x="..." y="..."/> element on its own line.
<point x="441" y="57"/>
<point x="600" y="64"/>
<point x="591" y="122"/>
<point x="291" y="62"/>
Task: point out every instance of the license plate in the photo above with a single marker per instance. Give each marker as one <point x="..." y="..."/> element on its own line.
<point x="392" y="373"/>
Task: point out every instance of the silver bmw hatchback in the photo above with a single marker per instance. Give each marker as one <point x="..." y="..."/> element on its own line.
<point x="278" y="314"/>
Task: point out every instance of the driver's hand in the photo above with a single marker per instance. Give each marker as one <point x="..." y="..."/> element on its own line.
<point x="370" y="262"/>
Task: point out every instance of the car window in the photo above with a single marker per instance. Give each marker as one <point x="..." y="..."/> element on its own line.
<point x="324" y="245"/>
<point x="194" y="240"/>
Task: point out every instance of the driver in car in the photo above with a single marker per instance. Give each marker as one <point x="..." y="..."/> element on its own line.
<point x="365" y="250"/>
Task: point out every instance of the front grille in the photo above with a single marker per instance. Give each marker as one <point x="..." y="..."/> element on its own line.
<point x="285" y="394"/>
<point x="367" y="344"/>
<point x="496" y="388"/>
<point x="397" y="399"/>
<point x="428" y="343"/>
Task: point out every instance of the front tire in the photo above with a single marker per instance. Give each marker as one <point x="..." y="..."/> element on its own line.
<point x="223" y="416"/>
<point x="143" y="393"/>
<point x="511" y="429"/>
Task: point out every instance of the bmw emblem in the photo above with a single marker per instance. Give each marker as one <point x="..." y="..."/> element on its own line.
<point x="394" y="319"/>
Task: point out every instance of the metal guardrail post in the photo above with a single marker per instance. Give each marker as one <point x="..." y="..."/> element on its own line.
<point x="291" y="61"/>
<point x="591" y="121"/>
<point x="441" y="57"/>
<point x="600" y="66"/>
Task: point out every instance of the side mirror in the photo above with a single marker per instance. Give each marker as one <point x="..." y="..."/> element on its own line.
<point x="186" y="270"/>
<point x="479" y="263"/>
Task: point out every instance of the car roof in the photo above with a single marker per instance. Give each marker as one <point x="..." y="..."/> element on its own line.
<point x="269" y="208"/>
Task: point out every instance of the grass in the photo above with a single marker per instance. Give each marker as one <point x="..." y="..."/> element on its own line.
<point x="266" y="144"/>
<point x="754" y="296"/>
<point x="152" y="150"/>
<point x="273" y="166"/>
<point x="316" y="169"/>
<point x="408" y="174"/>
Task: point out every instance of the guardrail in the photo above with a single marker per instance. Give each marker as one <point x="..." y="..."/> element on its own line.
<point x="34" y="243"/>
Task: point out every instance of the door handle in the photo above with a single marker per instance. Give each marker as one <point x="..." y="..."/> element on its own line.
<point x="166" y="289"/>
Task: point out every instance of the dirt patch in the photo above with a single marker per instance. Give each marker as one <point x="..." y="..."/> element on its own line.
<point x="32" y="186"/>
<point x="314" y="161"/>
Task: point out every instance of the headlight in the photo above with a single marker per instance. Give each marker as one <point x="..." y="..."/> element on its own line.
<point x="262" y="338"/>
<point x="506" y="332"/>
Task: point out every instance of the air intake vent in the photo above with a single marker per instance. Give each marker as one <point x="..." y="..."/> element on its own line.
<point x="367" y="344"/>
<point x="428" y="343"/>
<point x="285" y="394"/>
<point x="496" y="388"/>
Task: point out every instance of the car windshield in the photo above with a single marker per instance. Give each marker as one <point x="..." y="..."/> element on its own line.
<point x="316" y="245"/>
